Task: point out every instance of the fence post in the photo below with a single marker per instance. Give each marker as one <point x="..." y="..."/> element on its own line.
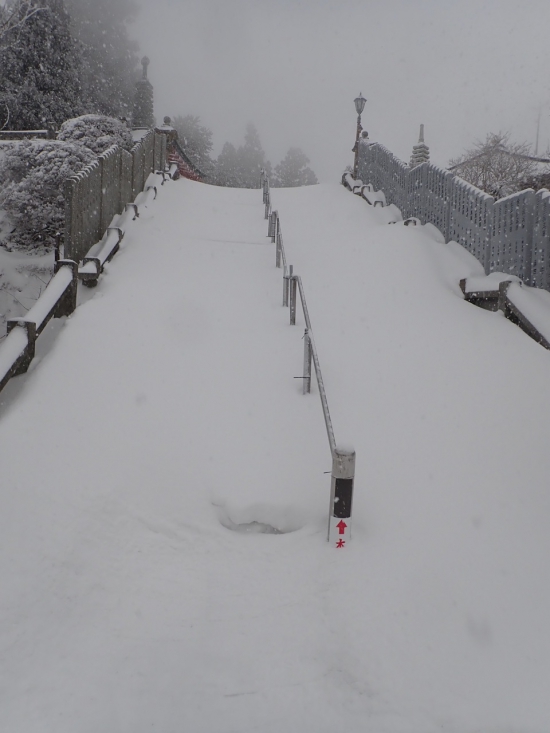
<point x="285" y="288"/>
<point x="307" y="363"/>
<point x="292" y="286"/>
<point x="341" y="496"/>
<point x="67" y="304"/>
<point x="69" y="192"/>
<point x="489" y="213"/>
<point x="28" y="354"/>
<point x="101" y="202"/>
<point x="528" y="250"/>
<point x="278" y="250"/>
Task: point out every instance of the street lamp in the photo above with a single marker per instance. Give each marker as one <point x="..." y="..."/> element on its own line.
<point x="360" y="102"/>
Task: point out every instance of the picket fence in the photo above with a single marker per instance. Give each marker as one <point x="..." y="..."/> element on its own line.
<point x="511" y="235"/>
<point x="103" y="188"/>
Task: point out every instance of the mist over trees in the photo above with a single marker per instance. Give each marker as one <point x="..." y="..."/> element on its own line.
<point x="294" y="170"/>
<point x="227" y="167"/>
<point x="242" y="167"/>
<point x="108" y="58"/>
<point x="61" y="59"/>
<point x="239" y="167"/>
<point x="251" y="159"/>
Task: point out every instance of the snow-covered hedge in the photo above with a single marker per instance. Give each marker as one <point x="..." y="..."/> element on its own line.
<point x="31" y="188"/>
<point x="96" y="132"/>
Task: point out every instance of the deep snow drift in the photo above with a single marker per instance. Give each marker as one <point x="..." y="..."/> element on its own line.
<point x="164" y="415"/>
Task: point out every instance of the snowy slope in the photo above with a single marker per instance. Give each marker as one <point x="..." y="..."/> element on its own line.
<point x="165" y="411"/>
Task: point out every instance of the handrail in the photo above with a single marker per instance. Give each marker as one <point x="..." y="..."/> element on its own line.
<point x="343" y="457"/>
<point x="310" y="349"/>
<point x="317" y="365"/>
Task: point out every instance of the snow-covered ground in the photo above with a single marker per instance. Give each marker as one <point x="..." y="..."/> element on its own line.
<point x="165" y="414"/>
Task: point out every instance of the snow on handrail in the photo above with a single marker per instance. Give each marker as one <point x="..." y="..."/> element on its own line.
<point x="48" y="300"/>
<point x="11" y="350"/>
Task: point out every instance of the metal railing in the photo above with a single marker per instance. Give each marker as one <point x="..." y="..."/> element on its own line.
<point x="511" y="235"/>
<point x="343" y="458"/>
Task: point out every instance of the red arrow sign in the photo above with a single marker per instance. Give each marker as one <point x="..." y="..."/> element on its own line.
<point x="341" y="526"/>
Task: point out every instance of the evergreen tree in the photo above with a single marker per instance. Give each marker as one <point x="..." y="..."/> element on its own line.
<point x="227" y="171"/>
<point x="109" y="57"/>
<point x="39" y="71"/>
<point x="196" y="140"/>
<point x="251" y="159"/>
<point x="294" y="170"/>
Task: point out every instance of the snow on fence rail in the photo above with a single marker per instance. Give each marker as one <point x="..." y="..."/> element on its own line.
<point x="57" y="300"/>
<point x="47" y="134"/>
<point x="343" y="458"/>
<point x="103" y="188"/>
<point x="511" y="235"/>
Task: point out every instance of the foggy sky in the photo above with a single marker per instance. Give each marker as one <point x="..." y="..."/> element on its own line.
<point x="293" y="67"/>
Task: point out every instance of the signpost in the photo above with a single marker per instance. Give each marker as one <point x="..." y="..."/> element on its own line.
<point x="341" y="497"/>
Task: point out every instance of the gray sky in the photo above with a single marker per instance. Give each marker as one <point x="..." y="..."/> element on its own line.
<point x="293" y="67"/>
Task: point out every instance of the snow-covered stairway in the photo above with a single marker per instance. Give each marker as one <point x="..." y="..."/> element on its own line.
<point x="164" y="422"/>
<point x="165" y="410"/>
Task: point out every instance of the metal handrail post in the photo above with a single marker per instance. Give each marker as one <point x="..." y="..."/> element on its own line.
<point x="285" y="287"/>
<point x="275" y="228"/>
<point x="306" y="381"/>
<point x="292" y="284"/>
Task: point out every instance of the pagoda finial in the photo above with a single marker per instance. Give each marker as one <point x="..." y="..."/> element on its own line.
<point x="145" y="63"/>
<point x="421" y="152"/>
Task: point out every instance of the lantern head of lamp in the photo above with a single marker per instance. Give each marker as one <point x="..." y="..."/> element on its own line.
<point x="360" y="102"/>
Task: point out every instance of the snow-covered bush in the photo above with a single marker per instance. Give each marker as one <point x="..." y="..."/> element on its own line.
<point x="96" y="132"/>
<point x="32" y="173"/>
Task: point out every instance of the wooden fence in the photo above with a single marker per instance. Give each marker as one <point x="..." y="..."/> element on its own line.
<point x="103" y="188"/>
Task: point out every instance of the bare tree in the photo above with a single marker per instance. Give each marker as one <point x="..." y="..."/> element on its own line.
<point x="497" y="166"/>
<point x="13" y="16"/>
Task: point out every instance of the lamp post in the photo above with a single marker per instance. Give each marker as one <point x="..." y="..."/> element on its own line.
<point x="360" y="102"/>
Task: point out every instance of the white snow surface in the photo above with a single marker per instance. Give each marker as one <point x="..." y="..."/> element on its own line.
<point x="165" y="415"/>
